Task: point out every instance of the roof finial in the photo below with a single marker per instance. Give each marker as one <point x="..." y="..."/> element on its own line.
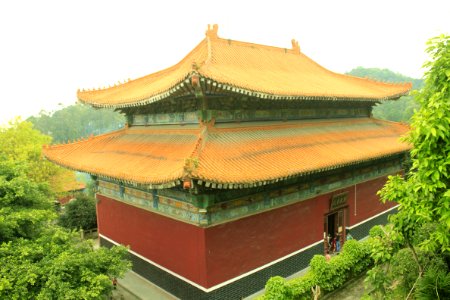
<point x="295" y="46"/>
<point x="211" y="32"/>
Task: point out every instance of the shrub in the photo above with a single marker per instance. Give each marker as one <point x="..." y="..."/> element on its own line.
<point x="79" y="213"/>
<point x="376" y="231"/>
<point x="353" y="259"/>
<point x="301" y="287"/>
<point x="276" y="289"/>
<point x="435" y="284"/>
<point x="403" y="270"/>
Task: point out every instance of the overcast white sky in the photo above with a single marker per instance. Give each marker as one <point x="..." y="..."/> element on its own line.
<point x="49" y="49"/>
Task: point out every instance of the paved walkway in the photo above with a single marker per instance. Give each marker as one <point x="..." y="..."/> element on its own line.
<point x="261" y="292"/>
<point x="352" y="290"/>
<point x="134" y="287"/>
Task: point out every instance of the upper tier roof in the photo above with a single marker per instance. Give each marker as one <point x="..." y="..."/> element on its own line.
<point x="230" y="154"/>
<point x="226" y="66"/>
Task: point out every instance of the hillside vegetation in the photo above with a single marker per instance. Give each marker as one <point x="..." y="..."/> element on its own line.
<point x="400" y="110"/>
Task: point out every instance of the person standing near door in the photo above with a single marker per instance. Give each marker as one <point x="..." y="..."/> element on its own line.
<point x="338" y="242"/>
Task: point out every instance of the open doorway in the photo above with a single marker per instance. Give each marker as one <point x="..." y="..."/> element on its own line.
<point x="334" y="230"/>
<point x="332" y="225"/>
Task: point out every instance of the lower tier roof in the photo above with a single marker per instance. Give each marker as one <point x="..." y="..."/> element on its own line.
<point x="230" y="154"/>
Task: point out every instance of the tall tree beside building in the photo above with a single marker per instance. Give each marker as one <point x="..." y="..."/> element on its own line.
<point x="38" y="259"/>
<point x="423" y="220"/>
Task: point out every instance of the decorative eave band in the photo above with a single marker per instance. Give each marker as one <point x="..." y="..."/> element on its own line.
<point x="183" y="86"/>
<point x="224" y="185"/>
<point x="186" y="87"/>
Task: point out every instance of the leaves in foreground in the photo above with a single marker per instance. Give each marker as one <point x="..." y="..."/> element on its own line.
<point x="58" y="265"/>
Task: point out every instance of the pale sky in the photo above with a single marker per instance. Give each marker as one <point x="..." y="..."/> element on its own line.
<point x="49" y="49"/>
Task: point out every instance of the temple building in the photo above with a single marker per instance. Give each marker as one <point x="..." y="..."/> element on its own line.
<point x="235" y="165"/>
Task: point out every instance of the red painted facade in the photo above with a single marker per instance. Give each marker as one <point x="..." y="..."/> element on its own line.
<point x="238" y="247"/>
<point x="210" y="256"/>
<point x="175" y="245"/>
<point x="367" y="201"/>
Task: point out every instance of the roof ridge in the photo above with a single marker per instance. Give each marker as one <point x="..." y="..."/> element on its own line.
<point x="211" y="33"/>
<point x="296" y="50"/>
<point x="292" y="50"/>
<point x="192" y="162"/>
<point x="257" y="125"/>
<point x="262" y="71"/>
<point x="183" y="61"/>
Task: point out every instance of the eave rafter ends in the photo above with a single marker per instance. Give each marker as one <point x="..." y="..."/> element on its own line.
<point x="163" y="185"/>
<point x="188" y="180"/>
<point x="189" y="86"/>
<point x="242" y="185"/>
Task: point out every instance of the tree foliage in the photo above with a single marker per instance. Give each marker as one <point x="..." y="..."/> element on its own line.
<point x="424" y="196"/>
<point x="57" y="265"/>
<point x="77" y="121"/>
<point x="400" y="110"/>
<point x="38" y="259"/>
<point x="79" y="213"/>
<point x="423" y="220"/>
<point x="24" y="192"/>
<point x="385" y="75"/>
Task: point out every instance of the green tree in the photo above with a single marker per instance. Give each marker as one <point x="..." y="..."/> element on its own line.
<point x="385" y="75"/>
<point x="77" y="121"/>
<point x="400" y="110"/>
<point x="58" y="265"/>
<point x="79" y="213"/>
<point x="424" y="194"/>
<point x="24" y="191"/>
<point x="40" y="260"/>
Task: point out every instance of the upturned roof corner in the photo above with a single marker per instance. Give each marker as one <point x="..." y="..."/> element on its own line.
<point x="250" y="69"/>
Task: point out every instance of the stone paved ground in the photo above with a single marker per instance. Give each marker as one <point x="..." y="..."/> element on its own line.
<point x="134" y="287"/>
<point x="122" y="294"/>
<point x="352" y="291"/>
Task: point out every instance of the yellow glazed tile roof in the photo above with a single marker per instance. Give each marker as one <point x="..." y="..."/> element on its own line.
<point x="256" y="70"/>
<point x="230" y="154"/>
<point x="149" y="155"/>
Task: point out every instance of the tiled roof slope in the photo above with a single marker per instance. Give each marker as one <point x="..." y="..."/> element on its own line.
<point x="141" y="155"/>
<point x="256" y="70"/>
<point x="231" y="154"/>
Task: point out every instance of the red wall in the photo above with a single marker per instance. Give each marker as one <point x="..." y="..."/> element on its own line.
<point x="243" y="245"/>
<point x="209" y="256"/>
<point x="175" y="245"/>
<point x="238" y="247"/>
<point x="367" y="201"/>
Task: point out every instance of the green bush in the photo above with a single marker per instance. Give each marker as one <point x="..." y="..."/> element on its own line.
<point x="435" y="284"/>
<point x="329" y="275"/>
<point x="302" y="288"/>
<point x="403" y="270"/>
<point x="79" y="213"/>
<point x="276" y="289"/>
<point x="376" y="231"/>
